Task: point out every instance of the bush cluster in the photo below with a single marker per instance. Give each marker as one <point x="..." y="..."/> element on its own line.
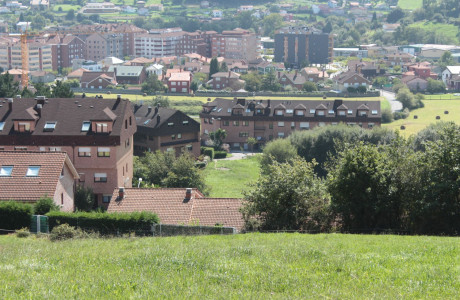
<point x="220" y="154"/>
<point x="105" y="223"/>
<point x="208" y="151"/>
<point x="15" y="215"/>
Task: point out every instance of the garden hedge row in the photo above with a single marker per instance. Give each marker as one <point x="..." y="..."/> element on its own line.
<point x="106" y="223"/>
<point x="220" y="154"/>
<point x="15" y="215"/>
<point x="208" y="151"/>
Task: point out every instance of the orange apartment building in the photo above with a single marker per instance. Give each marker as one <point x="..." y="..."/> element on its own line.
<point x="96" y="134"/>
<point x="266" y="120"/>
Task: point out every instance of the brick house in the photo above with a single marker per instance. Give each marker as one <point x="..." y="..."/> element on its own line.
<point x="97" y="135"/>
<point x="64" y="49"/>
<point x="178" y="206"/>
<point x="415" y="84"/>
<point x="165" y="129"/>
<point x="350" y="79"/>
<point x="295" y="79"/>
<point x="223" y="80"/>
<point x="270" y="119"/>
<point x="97" y="80"/>
<point x="179" y="82"/>
<point x="129" y="74"/>
<point x="26" y="176"/>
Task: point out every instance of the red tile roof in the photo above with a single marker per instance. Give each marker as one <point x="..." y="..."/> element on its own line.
<point x="29" y="189"/>
<point x="171" y="208"/>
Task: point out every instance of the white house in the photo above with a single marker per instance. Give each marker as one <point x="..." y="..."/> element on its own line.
<point x="155" y="69"/>
<point x="449" y="72"/>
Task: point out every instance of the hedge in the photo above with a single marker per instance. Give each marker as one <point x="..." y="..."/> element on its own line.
<point x="220" y="154"/>
<point x="106" y="223"/>
<point x="208" y="151"/>
<point x="15" y="215"/>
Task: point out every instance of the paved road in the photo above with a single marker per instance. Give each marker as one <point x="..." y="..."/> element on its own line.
<point x="391" y="97"/>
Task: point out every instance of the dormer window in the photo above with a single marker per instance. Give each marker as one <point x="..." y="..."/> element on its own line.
<point x="320" y="112"/>
<point x="24" y="126"/>
<point x="363" y="113"/>
<point x="184" y="122"/>
<point x="102" y="127"/>
<point x="299" y="112"/>
<point x="85" y="126"/>
<point x="259" y="111"/>
<point x="229" y="110"/>
<point x="279" y="112"/>
<point x="2" y="124"/>
<point x="170" y="124"/>
<point x="342" y="113"/>
<point x="50" y="126"/>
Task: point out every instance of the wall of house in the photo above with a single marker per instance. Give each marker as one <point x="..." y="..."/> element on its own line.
<point x="64" y="194"/>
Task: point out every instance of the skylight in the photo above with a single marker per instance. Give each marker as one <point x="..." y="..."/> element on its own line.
<point x="350" y="111"/>
<point x="33" y="171"/>
<point x="50" y="126"/>
<point x="2" y="124"/>
<point x="6" y="170"/>
<point x="374" y="112"/>
<point x="146" y="122"/>
<point x="312" y="111"/>
<point x="85" y="126"/>
<point x="289" y="111"/>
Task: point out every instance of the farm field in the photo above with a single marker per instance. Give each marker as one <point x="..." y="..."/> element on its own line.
<point x="410" y="4"/>
<point x="228" y="178"/>
<point x="448" y="30"/>
<point x="427" y="115"/>
<point x="260" y="266"/>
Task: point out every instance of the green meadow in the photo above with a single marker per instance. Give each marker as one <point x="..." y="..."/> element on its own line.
<point x="410" y="4"/>
<point x="246" y="266"/>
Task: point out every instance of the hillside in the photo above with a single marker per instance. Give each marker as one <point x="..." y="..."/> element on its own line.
<point x="259" y="266"/>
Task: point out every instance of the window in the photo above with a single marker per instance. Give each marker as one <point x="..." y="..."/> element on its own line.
<point x="289" y="111"/>
<point x="85" y="126"/>
<point x="179" y="135"/>
<point x="341" y="113"/>
<point x="6" y="170"/>
<point x="350" y="111"/>
<point x="331" y="112"/>
<point x="173" y="137"/>
<point x="103" y="152"/>
<point x="236" y="123"/>
<point x="281" y="134"/>
<point x="42" y="148"/>
<point x="100" y="177"/>
<point x="279" y="112"/>
<point x="126" y="124"/>
<point x="189" y="147"/>
<point x="84" y="152"/>
<point x="173" y="83"/>
<point x="245" y="123"/>
<point x="304" y="125"/>
<point x="19" y="148"/>
<point x="280" y="124"/>
<point x="33" y="171"/>
<point x="106" y="198"/>
<point x="226" y="123"/>
<point x="370" y="125"/>
<point x="184" y="122"/>
<point x="55" y="149"/>
<point x="102" y="127"/>
<point x="23" y="126"/>
<point x="292" y="125"/>
<point x="170" y="124"/>
<point x="299" y="112"/>
<point x="270" y="126"/>
<point x="312" y="111"/>
<point x="321" y="124"/>
<point x="2" y="124"/>
<point x="374" y="112"/>
<point x="320" y="112"/>
<point x="363" y="113"/>
<point x="244" y="134"/>
<point x="130" y="121"/>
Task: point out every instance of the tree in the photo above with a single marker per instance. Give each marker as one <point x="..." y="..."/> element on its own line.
<point x="194" y="86"/>
<point x="218" y="137"/>
<point x="26" y="93"/>
<point x="42" y="89"/>
<point x="271" y="23"/>
<point x="395" y="15"/>
<point x="70" y="15"/>
<point x="327" y="28"/>
<point x="38" y="22"/>
<point x="270" y="82"/>
<point x="160" y="100"/>
<point x="280" y="151"/>
<point x="287" y="197"/>
<point x="214" y="67"/>
<point x="44" y="205"/>
<point x="9" y="88"/>
<point x="152" y="85"/>
<point x="435" y="86"/>
<point x="245" y="19"/>
<point x="446" y="60"/>
<point x="223" y="67"/>
<point x="361" y="89"/>
<point x="251" y="142"/>
<point x="62" y="90"/>
<point x="309" y="86"/>
<point x="84" y="198"/>
<point x="406" y="98"/>
<point x="253" y="82"/>
<point x="184" y="174"/>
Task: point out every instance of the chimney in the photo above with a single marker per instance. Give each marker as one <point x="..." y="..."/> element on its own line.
<point x="118" y="97"/>
<point x="279" y="74"/>
<point x="40" y="99"/>
<point x="121" y="192"/>
<point x="188" y="194"/>
<point x="10" y="104"/>
<point x="268" y="102"/>
<point x="149" y="110"/>
<point x="39" y="110"/>
<point x="295" y="74"/>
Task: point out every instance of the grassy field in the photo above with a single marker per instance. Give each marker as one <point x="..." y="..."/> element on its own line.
<point x="254" y="266"/>
<point x="66" y="7"/>
<point x="448" y="30"/>
<point x="410" y="4"/>
<point x="427" y="115"/>
<point x="228" y="178"/>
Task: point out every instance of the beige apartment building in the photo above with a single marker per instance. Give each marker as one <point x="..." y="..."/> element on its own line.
<point x="39" y="54"/>
<point x="238" y="43"/>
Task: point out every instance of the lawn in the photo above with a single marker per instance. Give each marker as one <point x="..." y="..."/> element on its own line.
<point x="228" y="178"/>
<point x="247" y="266"/>
<point x="66" y="7"/>
<point x="410" y="4"/>
<point x="427" y="115"/>
<point x="447" y="30"/>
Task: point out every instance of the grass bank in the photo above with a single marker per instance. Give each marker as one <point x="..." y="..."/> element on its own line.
<point x="277" y="266"/>
<point x="228" y="178"/>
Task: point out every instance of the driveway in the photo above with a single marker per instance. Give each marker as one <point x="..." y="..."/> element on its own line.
<point x="391" y="97"/>
<point x="238" y="155"/>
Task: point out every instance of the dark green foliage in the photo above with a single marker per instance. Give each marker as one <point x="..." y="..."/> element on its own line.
<point x="61" y="90"/>
<point x="253" y="82"/>
<point x="14" y="215"/>
<point x="105" y="223"/>
<point x="42" y="89"/>
<point x="63" y="232"/>
<point x="280" y="151"/>
<point x="44" y="205"/>
<point x="152" y="85"/>
<point x="288" y="196"/>
<point x="217" y="137"/>
<point x="220" y="154"/>
<point x="270" y="82"/>
<point x="361" y="89"/>
<point x="8" y="87"/>
<point x="208" y="151"/>
<point x="351" y="89"/>
<point x="322" y="143"/>
<point x="408" y="99"/>
<point x="435" y="86"/>
<point x="395" y="15"/>
<point x="159" y="100"/>
<point x="309" y="86"/>
<point x="84" y="198"/>
<point x="214" y="67"/>
<point x="387" y="115"/>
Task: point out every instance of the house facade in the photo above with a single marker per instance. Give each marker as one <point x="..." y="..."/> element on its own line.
<point x="266" y="120"/>
<point x="224" y="80"/>
<point x="97" y="136"/>
<point x="350" y="79"/>
<point x="27" y="176"/>
<point x="165" y="129"/>
<point x="179" y="82"/>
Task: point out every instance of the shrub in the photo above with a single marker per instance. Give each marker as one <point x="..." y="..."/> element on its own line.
<point x="44" y="206"/>
<point x="22" y="233"/>
<point x="63" y="232"/>
<point x="401" y="114"/>
<point x="387" y="115"/>
<point x="220" y="154"/>
<point x="105" y="223"/>
<point x="208" y="151"/>
<point x="84" y="198"/>
<point x="15" y="215"/>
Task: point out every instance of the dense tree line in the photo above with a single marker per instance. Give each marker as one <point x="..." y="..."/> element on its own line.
<point x="385" y="183"/>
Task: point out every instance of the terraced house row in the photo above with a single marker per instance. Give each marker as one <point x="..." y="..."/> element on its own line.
<point x="266" y="120"/>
